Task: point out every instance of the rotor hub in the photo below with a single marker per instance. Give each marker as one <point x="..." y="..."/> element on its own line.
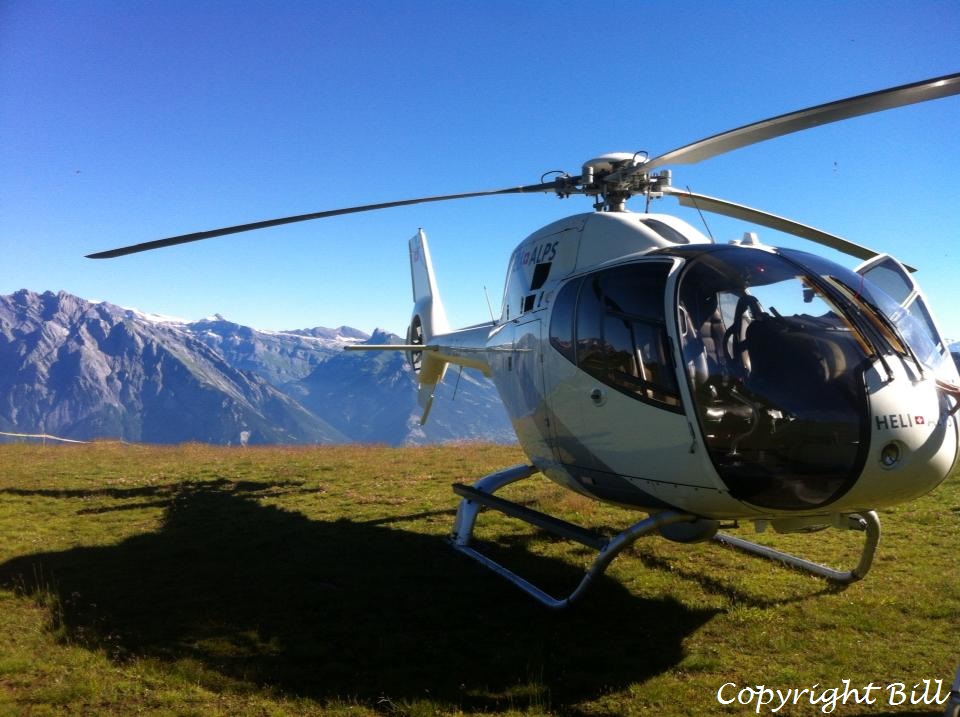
<point x="614" y="178"/>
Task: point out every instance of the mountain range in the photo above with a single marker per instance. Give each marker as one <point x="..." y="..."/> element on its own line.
<point x="85" y="370"/>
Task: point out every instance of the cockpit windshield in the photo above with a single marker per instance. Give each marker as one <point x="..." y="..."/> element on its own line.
<point x="913" y="331"/>
<point x="775" y="364"/>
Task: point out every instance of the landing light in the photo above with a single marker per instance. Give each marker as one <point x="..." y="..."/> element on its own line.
<point x="890" y="455"/>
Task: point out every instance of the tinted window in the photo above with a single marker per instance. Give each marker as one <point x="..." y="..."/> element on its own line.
<point x="666" y="231"/>
<point x="636" y="290"/>
<point x="886" y="288"/>
<point x="620" y="335"/>
<point x="887" y="277"/>
<point x="921" y="334"/>
<point x="776" y="374"/>
<point x="590" y="353"/>
<point x="561" y="321"/>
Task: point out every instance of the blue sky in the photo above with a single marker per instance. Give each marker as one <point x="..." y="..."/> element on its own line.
<point x="122" y="122"/>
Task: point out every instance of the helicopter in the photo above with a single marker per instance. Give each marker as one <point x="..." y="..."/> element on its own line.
<point x="645" y="365"/>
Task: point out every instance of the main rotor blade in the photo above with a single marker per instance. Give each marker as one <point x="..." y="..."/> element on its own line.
<point x="811" y="117"/>
<point x="197" y="236"/>
<point x="758" y="216"/>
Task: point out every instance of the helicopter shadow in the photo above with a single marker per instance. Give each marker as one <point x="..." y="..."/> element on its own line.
<point x="728" y="589"/>
<point x="342" y="609"/>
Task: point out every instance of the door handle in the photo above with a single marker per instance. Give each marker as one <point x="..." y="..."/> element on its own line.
<point x="598" y="396"/>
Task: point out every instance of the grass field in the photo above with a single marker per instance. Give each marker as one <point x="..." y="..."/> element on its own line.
<point x="317" y="581"/>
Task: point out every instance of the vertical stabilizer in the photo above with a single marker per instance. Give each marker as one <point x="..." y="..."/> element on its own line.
<point x="428" y="320"/>
<point x="426" y="297"/>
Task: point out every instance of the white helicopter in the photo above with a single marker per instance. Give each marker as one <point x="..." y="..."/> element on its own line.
<point x="645" y="365"/>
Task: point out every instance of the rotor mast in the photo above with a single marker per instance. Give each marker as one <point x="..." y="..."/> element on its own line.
<point x="614" y="178"/>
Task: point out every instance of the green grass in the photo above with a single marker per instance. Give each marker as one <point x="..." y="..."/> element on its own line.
<point x="317" y="581"/>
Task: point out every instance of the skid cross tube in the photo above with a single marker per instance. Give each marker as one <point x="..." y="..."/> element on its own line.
<point x="953" y="703"/>
<point x="481" y="494"/>
<point x="869" y="523"/>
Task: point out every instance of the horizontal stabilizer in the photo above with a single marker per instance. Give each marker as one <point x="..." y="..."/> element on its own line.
<point x="390" y="347"/>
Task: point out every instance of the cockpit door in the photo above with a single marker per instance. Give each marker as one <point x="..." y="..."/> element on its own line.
<point x="925" y="339"/>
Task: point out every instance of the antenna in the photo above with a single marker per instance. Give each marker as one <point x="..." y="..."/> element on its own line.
<point x="702" y="218"/>
<point x="489" y="306"/>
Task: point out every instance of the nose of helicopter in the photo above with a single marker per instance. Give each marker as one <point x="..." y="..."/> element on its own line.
<point x="807" y="398"/>
<point x="913" y="438"/>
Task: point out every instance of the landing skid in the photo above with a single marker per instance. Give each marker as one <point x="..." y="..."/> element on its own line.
<point x="868" y="523"/>
<point x="482" y="494"/>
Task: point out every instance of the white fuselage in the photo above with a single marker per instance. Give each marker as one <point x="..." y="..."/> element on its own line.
<point x="664" y="433"/>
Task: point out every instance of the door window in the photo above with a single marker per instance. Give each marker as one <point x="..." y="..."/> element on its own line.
<point x="620" y="331"/>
